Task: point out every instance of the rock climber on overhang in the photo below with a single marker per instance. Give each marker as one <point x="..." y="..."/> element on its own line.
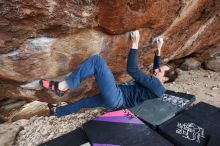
<point x="112" y="95"/>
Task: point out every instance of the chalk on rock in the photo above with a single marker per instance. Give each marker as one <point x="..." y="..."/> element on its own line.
<point x="157" y="40"/>
<point x="35" y="85"/>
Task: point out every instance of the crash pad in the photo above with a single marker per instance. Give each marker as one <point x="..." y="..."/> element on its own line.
<point x="122" y="128"/>
<point x="180" y="99"/>
<point x="194" y="127"/>
<point x="74" y="138"/>
<point x="214" y="141"/>
<point x="156" y="111"/>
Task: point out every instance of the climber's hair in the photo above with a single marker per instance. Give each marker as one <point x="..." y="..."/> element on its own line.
<point x="171" y="74"/>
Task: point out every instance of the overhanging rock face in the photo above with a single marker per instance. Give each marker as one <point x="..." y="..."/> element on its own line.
<point x="49" y="38"/>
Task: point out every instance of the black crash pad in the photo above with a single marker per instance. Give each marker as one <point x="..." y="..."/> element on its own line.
<point x="122" y="128"/>
<point x="194" y="127"/>
<point x="214" y="141"/>
<point x="74" y="138"/>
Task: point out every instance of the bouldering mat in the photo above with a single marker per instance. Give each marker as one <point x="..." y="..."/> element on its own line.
<point x="214" y="141"/>
<point x="180" y="99"/>
<point x="74" y="138"/>
<point x="122" y="128"/>
<point x="193" y="127"/>
<point x="156" y="111"/>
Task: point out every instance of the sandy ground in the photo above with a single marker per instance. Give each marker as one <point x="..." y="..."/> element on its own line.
<point x="205" y="85"/>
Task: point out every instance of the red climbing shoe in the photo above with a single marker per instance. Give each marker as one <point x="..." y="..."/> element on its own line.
<point x="51" y="86"/>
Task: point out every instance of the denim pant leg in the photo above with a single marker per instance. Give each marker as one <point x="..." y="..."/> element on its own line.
<point x="87" y="102"/>
<point x="96" y="66"/>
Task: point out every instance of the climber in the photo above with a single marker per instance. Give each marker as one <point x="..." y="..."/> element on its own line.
<point x="113" y="96"/>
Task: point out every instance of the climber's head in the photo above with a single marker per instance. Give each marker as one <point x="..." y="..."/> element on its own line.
<point x="166" y="73"/>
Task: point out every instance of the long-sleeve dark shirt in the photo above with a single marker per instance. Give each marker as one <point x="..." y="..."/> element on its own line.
<point x="144" y="86"/>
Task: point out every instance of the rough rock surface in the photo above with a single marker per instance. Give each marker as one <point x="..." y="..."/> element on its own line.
<point x="31" y="109"/>
<point x="213" y="63"/>
<point x="190" y="64"/>
<point x="9" y="131"/>
<point x="49" y="38"/>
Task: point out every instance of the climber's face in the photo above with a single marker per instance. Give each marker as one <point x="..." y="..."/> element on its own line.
<point x="160" y="73"/>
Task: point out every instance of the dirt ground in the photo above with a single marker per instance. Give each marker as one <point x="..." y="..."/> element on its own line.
<point x="204" y="84"/>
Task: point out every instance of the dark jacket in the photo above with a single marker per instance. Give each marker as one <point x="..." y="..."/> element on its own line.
<point x="144" y="86"/>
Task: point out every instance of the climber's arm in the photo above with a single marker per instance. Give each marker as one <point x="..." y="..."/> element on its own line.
<point x="159" y="42"/>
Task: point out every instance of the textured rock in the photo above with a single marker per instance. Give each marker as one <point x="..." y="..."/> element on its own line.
<point x="31" y="109"/>
<point x="8" y="132"/>
<point x="213" y="63"/>
<point x="3" y="119"/>
<point x="46" y="57"/>
<point x="11" y="90"/>
<point x="22" y="19"/>
<point x="8" y="107"/>
<point x="49" y="38"/>
<point x="14" y="105"/>
<point x="190" y="64"/>
<point x="121" y="16"/>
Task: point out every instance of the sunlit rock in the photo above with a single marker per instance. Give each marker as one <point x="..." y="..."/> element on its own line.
<point x="31" y="109"/>
<point x="46" y="57"/>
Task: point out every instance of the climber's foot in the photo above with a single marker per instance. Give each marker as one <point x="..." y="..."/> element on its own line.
<point x="52" y="86"/>
<point x="52" y="109"/>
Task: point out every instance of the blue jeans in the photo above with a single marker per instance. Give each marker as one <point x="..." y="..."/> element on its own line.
<point x="110" y="95"/>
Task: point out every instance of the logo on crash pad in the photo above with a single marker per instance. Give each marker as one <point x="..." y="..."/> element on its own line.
<point x="190" y="131"/>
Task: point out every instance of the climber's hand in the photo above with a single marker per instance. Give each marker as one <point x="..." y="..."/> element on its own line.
<point x="135" y="37"/>
<point x="159" y="42"/>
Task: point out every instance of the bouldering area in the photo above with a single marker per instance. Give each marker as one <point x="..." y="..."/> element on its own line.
<point x="48" y="39"/>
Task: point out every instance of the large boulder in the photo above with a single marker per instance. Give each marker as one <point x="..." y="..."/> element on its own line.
<point x="213" y="63"/>
<point x="190" y="64"/>
<point x="49" y="38"/>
